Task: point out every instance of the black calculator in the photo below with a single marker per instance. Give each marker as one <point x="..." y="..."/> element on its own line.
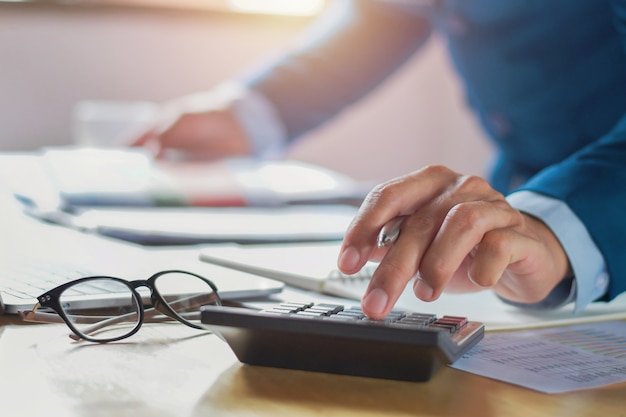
<point x="340" y="339"/>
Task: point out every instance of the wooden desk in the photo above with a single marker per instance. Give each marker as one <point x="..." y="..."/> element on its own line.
<point x="171" y="370"/>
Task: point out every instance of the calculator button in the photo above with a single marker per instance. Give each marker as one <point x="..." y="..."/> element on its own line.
<point x="462" y="321"/>
<point x="342" y="317"/>
<point x="426" y="317"/>
<point x="309" y="314"/>
<point x="378" y="321"/>
<point x="453" y="323"/>
<point x="296" y="306"/>
<point x="281" y="310"/>
<point x="323" y="309"/>
<point x="414" y="321"/>
<point x="334" y="308"/>
<point x="351" y="314"/>
<point x="449" y="328"/>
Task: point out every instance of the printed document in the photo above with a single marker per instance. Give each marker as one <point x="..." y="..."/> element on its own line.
<point x="552" y="360"/>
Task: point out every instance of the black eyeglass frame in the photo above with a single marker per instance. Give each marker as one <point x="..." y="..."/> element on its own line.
<point x="51" y="299"/>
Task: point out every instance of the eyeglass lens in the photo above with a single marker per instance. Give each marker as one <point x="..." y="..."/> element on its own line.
<point x="119" y="315"/>
<point x="113" y="311"/>
<point x="185" y="293"/>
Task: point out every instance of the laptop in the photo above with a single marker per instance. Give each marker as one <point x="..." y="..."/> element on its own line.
<point x="36" y="257"/>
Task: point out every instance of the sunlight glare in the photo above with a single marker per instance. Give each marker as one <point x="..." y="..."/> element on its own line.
<point x="282" y="7"/>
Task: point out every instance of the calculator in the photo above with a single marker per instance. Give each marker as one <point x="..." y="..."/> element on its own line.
<point x="340" y="339"/>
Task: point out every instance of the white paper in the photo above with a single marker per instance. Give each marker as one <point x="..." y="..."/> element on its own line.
<point x="554" y="360"/>
<point x="165" y="225"/>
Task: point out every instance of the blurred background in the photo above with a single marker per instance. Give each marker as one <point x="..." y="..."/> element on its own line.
<point x="55" y="54"/>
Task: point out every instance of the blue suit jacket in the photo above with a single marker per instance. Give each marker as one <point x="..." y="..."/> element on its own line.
<point x="547" y="79"/>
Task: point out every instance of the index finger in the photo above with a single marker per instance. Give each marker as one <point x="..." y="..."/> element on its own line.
<point x="145" y="138"/>
<point x="401" y="196"/>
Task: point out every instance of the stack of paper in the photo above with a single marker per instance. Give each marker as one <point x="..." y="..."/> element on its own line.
<point x="131" y="177"/>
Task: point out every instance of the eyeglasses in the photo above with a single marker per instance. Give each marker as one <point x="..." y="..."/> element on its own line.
<point x="173" y="295"/>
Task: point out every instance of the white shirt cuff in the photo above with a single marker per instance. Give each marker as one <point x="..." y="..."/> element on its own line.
<point x="260" y="121"/>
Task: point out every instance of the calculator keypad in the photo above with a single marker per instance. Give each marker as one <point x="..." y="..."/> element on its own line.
<point x="396" y="318"/>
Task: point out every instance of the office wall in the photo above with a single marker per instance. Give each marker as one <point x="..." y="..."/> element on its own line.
<point x="53" y="56"/>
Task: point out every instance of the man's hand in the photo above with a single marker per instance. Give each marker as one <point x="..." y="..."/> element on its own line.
<point x="459" y="235"/>
<point x="200" y="126"/>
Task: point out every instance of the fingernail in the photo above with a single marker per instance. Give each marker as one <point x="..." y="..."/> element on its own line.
<point x="422" y="290"/>
<point x="349" y="259"/>
<point x="375" y="302"/>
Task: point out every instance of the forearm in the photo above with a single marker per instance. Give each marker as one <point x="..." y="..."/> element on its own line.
<point x="342" y="57"/>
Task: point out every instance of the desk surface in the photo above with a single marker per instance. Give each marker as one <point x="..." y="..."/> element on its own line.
<point x="171" y="370"/>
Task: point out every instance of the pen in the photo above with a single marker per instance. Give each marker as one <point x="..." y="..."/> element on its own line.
<point x="390" y="232"/>
<point x="58" y="217"/>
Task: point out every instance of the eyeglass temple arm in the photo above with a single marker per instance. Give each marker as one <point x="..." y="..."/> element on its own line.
<point x="150" y="314"/>
<point x="34" y="316"/>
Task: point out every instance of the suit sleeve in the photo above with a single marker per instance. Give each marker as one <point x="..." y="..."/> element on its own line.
<point x="346" y="53"/>
<point x="592" y="182"/>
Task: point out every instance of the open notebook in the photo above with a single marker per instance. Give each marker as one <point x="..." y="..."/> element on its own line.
<point x="312" y="266"/>
<point x="36" y="257"/>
